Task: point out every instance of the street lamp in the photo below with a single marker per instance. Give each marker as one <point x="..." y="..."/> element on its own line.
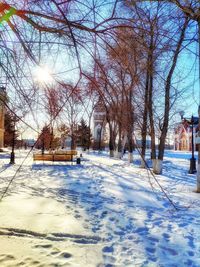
<point x="12" y="154"/>
<point x="192" y="159"/>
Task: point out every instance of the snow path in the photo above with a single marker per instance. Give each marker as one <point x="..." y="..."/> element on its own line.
<point x="101" y="213"/>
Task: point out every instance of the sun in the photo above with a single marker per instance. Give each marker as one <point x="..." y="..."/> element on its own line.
<point x="42" y="75"/>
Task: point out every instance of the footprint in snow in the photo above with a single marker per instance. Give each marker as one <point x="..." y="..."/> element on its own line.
<point x="43" y="246"/>
<point x="150" y="214"/>
<point x="182" y="224"/>
<point x="108" y="249"/>
<point x="5" y="257"/>
<point x="77" y="216"/>
<point x="129" y="227"/>
<point x="35" y="263"/>
<point x="166" y="237"/>
<point x="120" y="233"/>
<point x="65" y="255"/>
<point x="142" y="230"/>
<point x="96" y="228"/>
<point x="157" y="222"/>
<point x="103" y="214"/>
<point x="28" y="259"/>
<point x="109" y="238"/>
<point x="109" y="259"/>
<point x="132" y="237"/>
<point x="151" y="250"/>
<point x="191" y="241"/>
<point x="154" y="259"/>
<point x="172" y="251"/>
<point x="21" y="263"/>
<point x="56" y="265"/>
<point x="153" y="239"/>
<point x="169" y="227"/>
<point x="190" y="253"/>
<point x="54" y="253"/>
<point x="189" y="263"/>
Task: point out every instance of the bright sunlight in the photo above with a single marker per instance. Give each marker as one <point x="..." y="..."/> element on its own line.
<point x="42" y="75"/>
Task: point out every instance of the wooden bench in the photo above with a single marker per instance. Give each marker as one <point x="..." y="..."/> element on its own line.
<point x="55" y="156"/>
<point x="67" y="152"/>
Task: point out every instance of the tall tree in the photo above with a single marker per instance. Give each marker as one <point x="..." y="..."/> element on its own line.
<point x="8" y="134"/>
<point x="83" y="135"/>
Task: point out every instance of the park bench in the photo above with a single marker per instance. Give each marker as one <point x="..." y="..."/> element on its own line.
<point x="55" y="156"/>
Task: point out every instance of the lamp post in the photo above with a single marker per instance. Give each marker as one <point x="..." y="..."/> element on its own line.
<point x="198" y="166"/>
<point x="192" y="160"/>
<point x="12" y="154"/>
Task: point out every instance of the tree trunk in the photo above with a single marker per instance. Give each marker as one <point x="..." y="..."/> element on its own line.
<point x="111" y="140"/>
<point x="89" y="135"/>
<point x="72" y="140"/>
<point x="51" y="140"/>
<point x="111" y="147"/>
<point x="130" y="149"/>
<point x="89" y="141"/>
<point x="144" y="123"/>
<point x="100" y="141"/>
<point x="150" y="99"/>
<point x="161" y="148"/>
<point x="130" y="144"/>
<point x="130" y="157"/>
<point x="130" y="124"/>
<point x="119" y="146"/>
<point x="157" y="166"/>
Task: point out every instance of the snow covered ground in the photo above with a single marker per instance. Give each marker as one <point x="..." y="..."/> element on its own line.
<point x="103" y="212"/>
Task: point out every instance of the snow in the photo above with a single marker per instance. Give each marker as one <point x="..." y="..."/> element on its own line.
<point x="104" y="212"/>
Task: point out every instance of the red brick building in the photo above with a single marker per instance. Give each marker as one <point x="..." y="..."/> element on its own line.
<point x="183" y="135"/>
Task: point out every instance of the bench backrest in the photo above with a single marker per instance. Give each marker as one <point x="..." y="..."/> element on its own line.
<point x="53" y="157"/>
<point x="66" y="152"/>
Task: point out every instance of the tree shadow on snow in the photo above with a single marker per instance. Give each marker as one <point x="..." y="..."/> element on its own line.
<point x="132" y="232"/>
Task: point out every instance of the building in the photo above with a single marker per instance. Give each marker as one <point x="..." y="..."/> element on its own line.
<point x="2" y="115"/>
<point x="101" y="130"/>
<point x="99" y="126"/>
<point x="183" y="135"/>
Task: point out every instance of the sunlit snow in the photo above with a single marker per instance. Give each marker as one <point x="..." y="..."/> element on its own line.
<point x="100" y="213"/>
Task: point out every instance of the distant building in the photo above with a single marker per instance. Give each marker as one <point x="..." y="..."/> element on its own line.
<point x="101" y="132"/>
<point x="29" y="142"/>
<point x="99" y="125"/>
<point x="183" y="135"/>
<point x="2" y="115"/>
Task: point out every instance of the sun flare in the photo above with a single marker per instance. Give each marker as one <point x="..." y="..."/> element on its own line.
<point x="42" y="75"/>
